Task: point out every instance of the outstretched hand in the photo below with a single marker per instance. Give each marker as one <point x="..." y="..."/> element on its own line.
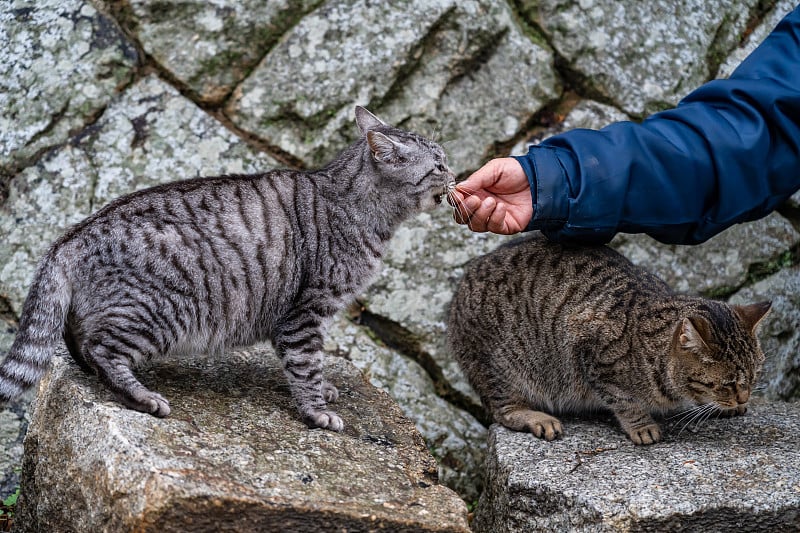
<point x="496" y="198"/>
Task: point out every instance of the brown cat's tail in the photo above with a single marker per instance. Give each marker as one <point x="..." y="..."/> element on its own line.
<point x="41" y="327"/>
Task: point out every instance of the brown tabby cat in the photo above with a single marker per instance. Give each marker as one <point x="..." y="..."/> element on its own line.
<point x="205" y="264"/>
<point x="541" y="328"/>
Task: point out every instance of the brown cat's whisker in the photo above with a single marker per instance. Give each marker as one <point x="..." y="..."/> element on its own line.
<point x="540" y="327"/>
<point x="699" y="414"/>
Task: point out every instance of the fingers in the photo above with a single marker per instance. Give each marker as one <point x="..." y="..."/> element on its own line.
<point x="482" y="216"/>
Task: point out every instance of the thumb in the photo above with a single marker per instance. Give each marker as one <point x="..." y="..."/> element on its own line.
<point x="483" y="178"/>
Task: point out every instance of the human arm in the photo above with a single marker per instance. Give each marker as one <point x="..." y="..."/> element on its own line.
<point x="728" y="153"/>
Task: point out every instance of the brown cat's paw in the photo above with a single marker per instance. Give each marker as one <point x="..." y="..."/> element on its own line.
<point x="325" y="420"/>
<point x="649" y="434"/>
<point x="538" y="423"/>
<point x="547" y="429"/>
<point x="329" y="392"/>
<point x="739" y="410"/>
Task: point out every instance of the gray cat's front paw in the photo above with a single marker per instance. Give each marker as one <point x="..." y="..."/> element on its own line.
<point x="329" y="392"/>
<point x="649" y="434"/>
<point x="325" y="420"/>
<point x="146" y="401"/>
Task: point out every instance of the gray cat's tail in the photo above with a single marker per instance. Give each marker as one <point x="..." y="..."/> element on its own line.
<point x="41" y="328"/>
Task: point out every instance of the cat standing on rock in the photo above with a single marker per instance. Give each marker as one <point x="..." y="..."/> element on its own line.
<point x="206" y="264"/>
<point x="542" y="329"/>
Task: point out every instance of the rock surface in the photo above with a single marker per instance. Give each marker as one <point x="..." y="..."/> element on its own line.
<point x="418" y="74"/>
<point x="642" y="56"/>
<point x="738" y="474"/>
<point x="102" y="97"/>
<point x="232" y="456"/>
<point x="226" y="40"/>
<point x="61" y="62"/>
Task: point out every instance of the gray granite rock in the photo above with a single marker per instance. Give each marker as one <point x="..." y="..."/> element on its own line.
<point x="718" y="266"/>
<point x="211" y="46"/>
<point x="767" y="24"/>
<point x="415" y="286"/>
<point x="419" y="62"/>
<point x="232" y="456"/>
<point x="584" y="114"/>
<point x="778" y="333"/>
<point x="148" y="135"/>
<point x="456" y="439"/>
<point x="643" y="56"/>
<point x="61" y="63"/>
<point x="738" y="474"/>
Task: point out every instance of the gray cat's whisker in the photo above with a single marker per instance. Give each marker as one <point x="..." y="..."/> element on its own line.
<point x="458" y="206"/>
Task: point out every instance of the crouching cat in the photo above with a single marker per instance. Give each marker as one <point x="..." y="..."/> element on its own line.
<point x="541" y="329"/>
<point x="210" y="263"/>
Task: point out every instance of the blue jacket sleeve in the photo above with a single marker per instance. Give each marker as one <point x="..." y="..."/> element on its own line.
<point x="728" y="153"/>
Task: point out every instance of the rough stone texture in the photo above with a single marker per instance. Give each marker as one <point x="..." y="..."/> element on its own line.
<point x="454" y="437"/>
<point x="729" y="255"/>
<point x="13" y="427"/>
<point x="420" y="271"/>
<point x="585" y="114"/>
<point x="232" y="456"/>
<point x="421" y="71"/>
<point x="738" y="474"/>
<point x="148" y="135"/>
<point x="61" y="62"/>
<point x="779" y="333"/>
<point x="643" y="56"/>
<point x="768" y="23"/>
<point x="212" y="46"/>
<point x="84" y="119"/>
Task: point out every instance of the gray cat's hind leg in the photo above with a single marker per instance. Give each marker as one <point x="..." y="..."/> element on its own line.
<point x="115" y="373"/>
<point x="300" y="348"/>
<point x="311" y="393"/>
<point x="329" y="392"/>
<point x="540" y="424"/>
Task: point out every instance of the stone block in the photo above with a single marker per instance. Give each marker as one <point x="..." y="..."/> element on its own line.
<point x="232" y="456"/>
<point x="735" y="474"/>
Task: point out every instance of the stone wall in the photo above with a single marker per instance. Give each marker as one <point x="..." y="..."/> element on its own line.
<point x="103" y="97"/>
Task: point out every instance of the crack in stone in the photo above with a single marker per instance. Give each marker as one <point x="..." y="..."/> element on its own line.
<point x="406" y="342"/>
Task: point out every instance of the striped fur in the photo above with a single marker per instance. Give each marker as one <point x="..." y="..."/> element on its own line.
<point x="205" y="264"/>
<point x="542" y="329"/>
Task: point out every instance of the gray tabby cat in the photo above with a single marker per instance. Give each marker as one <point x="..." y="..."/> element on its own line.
<point x="541" y="328"/>
<point x="204" y="264"/>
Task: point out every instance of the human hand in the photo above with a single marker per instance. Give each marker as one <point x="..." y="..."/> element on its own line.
<point x="496" y="198"/>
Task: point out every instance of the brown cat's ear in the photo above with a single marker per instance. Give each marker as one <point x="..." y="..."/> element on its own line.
<point x="367" y="121"/>
<point x="693" y="335"/>
<point x="752" y="314"/>
<point x="383" y="148"/>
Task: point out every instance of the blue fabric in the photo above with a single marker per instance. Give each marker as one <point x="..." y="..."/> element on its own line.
<point x="728" y="153"/>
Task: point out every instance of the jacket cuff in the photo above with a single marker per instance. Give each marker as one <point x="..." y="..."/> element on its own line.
<point x="550" y="191"/>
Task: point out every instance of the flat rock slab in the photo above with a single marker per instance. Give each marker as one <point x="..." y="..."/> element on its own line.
<point x="738" y="474"/>
<point x="232" y="456"/>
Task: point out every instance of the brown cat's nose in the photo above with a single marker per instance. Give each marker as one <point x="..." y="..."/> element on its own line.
<point x="742" y="395"/>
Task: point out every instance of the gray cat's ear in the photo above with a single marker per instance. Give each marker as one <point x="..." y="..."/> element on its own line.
<point x="367" y="121"/>
<point x="752" y="314"/>
<point x="691" y="335"/>
<point x="384" y="148"/>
